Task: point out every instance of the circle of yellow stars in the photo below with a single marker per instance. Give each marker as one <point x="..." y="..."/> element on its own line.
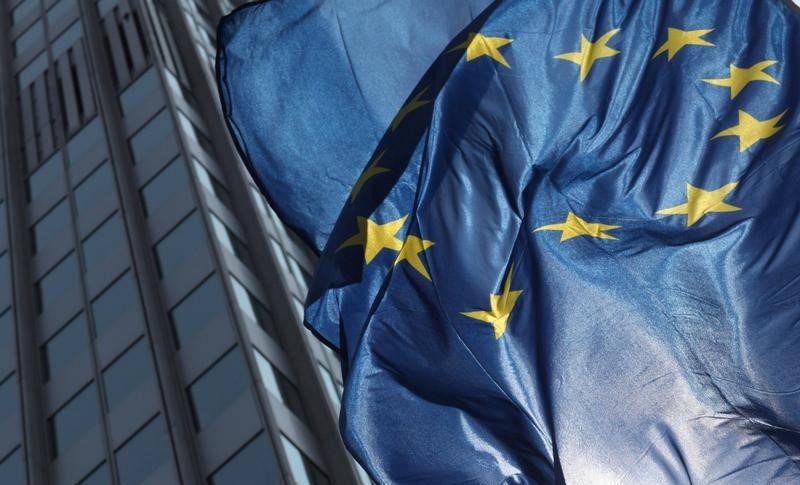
<point x="376" y="237"/>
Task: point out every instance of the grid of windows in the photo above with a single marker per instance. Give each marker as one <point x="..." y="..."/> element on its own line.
<point x="67" y="165"/>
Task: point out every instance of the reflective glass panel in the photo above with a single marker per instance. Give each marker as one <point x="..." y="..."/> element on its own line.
<point x="330" y="386"/>
<point x="9" y="400"/>
<point x="230" y="241"/>
<point x="304" y="472"/>
<point x="163" y="186"/>
<point x="52" y="285"/>
<point x="218" y="388"/>
<point x="144" y="453"/>
<point x="181" y="244"/>
<point x="158" y="133"/>
<point x="126" y="373"/>
<point x="279" y="385"/>
<point x="23" y="9"/>
<point x="104" y="241"/>
<point x="53" y="225"/>
<point x="203" y="305"/>
<point x="74" y="420"/>
<point x="40" y="180"/>
<point x="62" y="348"/>
<point x="94" y="188"/>
<point x="212" y="184"/>
<point x="114" y="302"/>
<point x="12" y="469"/>
<point x="89" y="144"/>
<point x="7" y="330"/>
<point x="253" y="308"/>
<point x="140" y="91"/>
<point x="33" y="37"/>
<point x="255" y="464"/>
<point x="100" y="476"/>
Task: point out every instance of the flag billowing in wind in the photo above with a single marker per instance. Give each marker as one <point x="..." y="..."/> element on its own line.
<point x="304" y="104"/>
<point x="574" y="255"/>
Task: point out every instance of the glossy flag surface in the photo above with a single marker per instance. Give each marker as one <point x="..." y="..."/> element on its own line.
<point x="574" y="253"/>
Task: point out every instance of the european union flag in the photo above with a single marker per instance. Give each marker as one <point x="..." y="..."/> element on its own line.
<point x="308" y="87"/>
<point x="574" y="255"/>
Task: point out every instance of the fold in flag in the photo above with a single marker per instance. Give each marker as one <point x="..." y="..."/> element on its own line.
<point x="300" y="86"/>
<point x="574" y="254"/>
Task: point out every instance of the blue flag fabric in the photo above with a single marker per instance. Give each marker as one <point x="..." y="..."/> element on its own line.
<point x="573" y="256"/>
<point x="298" y="86"/>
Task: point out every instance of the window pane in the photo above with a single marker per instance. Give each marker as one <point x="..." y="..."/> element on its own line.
<point x="68" y="38"/>
<point x="179" y="245"/>
<point x="140" y="92"/>
<point x="304" y="472"/>
<point x="33" y="37"/>
<point x="89" y="144"/>
<point x="104" y="241"/>
<point x="260" y="204"/>
<point x="114" y="302"/>
<point x="50" y="171"/>
<point x="194" y="136"/>
<point x="32" y="71"/>
<point x="205" y="304"/>
<point x="280" y="386"/>
<point x="158" y="133"/>
<point x="9" y="401"/>
<point x="229" y="240"/>
<point x="25" y="8"/>
<point x="212" y="184"/>
<point x="277" y="250"/>
<point x="100" y="476"/>
<point x="127" y="372"/>
<point x="300" y="276"/>
<point x="157" y="192"/>
<point x="72" y="422"/>
<point x="12" y="469"/>
<point x="330" y="387"/>
<point x="255" y="464"/>
<point x="62" y="348"/>
<point x="219" y="387"/>
<point x="144" y="453"/>
<point x="5" y="274"/>
<point x="52" y="285"/>
<point x="54" y="225"/>
<point x="7" y="330"/>
<point x="253" y="308"/>
<point x="92" y="189"/>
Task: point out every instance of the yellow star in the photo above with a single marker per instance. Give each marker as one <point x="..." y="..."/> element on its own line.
<point x="677" y="39"/>
<point x="591" y="52"/>
<point x="501" y="307"/>
<point x="410" y="252"/>
<point x="742" y="76"/>
<point x="701" y="202"/>
<point x="478" y="45"/>
<point x="376" y="237"/>
<point x="751" y="130"/>
<point x="574" y="226"/>
<point x="415" y="103"/>
<point x="372" y="170"/>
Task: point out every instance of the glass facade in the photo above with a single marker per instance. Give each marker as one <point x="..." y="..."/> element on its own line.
<point x="149" y="323"/>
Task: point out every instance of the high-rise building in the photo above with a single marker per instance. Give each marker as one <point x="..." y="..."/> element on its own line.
<point x="150" y="301"/>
